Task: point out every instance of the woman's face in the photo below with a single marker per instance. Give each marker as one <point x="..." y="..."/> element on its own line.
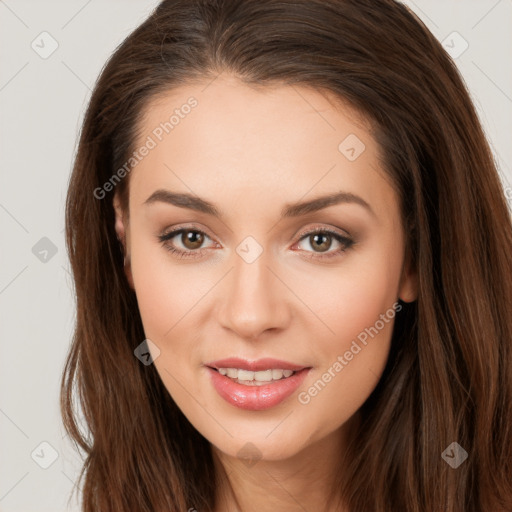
<point x="252" y="289"/>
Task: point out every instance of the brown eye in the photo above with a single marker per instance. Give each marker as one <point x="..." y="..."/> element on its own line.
<point x="192" y="239"/>
<point x="322" y="242"/>
<point x="184" y="242"/>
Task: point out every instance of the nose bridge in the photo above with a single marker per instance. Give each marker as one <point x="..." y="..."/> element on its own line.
<point x="254" y="300"/>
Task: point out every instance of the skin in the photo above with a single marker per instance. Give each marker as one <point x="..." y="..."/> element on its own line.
<point x="250" y="152"/>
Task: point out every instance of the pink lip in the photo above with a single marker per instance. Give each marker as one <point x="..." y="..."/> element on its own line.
<point x="255" y="366"/>
<point x="255" y="398"/>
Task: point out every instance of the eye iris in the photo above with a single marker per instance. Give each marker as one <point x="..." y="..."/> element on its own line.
<point x="192" y="239"/>
<point x="323" y="246"/>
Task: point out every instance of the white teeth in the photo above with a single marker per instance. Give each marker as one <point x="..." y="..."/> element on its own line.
<point x="254" y="378"/>
<point x="245" y="375"/>
<point x="277" y="374"/>
<point x="264" y="376"/>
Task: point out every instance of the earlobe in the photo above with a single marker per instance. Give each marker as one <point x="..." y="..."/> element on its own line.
<point x="408" y="283"/>
<point x="119" y="223"/>
<point x="121" y="228"/>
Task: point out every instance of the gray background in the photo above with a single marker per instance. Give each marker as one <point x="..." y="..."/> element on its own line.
<point x="42" y="101"/>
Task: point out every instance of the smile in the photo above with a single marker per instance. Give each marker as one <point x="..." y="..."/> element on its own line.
<point x="249" y="378"/>
<point x="256" y="385"/>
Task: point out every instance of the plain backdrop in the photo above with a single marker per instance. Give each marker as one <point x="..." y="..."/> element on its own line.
<point x="42" y="101"/>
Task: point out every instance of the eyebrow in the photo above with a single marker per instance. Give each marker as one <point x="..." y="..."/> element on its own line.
<point x="184" y="200"/>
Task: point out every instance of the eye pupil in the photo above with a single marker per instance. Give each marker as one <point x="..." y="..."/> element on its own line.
<point x="192" y="239"/>
<point x="323" y="246"/>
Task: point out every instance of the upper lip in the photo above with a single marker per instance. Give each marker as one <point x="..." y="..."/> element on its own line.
<point x="266" y="363"/>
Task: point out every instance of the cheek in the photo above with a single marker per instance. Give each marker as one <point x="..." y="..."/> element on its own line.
<point x="359" y="306"/>
<point x="351" y="299"/>
<point x="164" y="292"/>
<point x="358" y="303"/>
<point x="171" y="300"/>
<point x="167" y="297"/>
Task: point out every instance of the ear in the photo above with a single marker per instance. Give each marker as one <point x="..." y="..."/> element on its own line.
<point x="123" y="231"/>
<point x="408" y="291"/>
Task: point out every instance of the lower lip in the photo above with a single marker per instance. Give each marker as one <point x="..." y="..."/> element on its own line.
<point x="256" y="398"/>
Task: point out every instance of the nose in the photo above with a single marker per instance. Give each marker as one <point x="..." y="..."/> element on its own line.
<point x="255" y="299"/>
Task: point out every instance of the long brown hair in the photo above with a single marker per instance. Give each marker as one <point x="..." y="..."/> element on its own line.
<point x="449" y="374"/>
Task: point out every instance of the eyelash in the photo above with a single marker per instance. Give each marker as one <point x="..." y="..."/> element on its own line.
<point x="343" y="240"/>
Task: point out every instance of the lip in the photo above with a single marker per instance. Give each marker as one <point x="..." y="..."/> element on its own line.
<point x="255" y="398"/>
<point x="255" y="366"/>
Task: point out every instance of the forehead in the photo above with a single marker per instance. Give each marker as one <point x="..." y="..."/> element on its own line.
<point x="278" y="142"/>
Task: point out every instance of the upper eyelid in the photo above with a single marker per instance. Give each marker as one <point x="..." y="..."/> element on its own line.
<point x="341" y="232"/>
